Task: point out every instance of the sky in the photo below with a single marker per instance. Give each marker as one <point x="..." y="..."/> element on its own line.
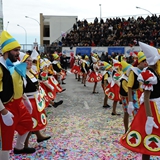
<point x="14" y="12"/>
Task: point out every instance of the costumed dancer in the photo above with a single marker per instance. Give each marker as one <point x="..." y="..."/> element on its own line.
<point x="36" y="96"/>
<point x="36" y="63"/>
<point x="50" y="89"/>
<point x="76" y="68"/>
<point x="124" y="93"/>
<point x="94" y="76"/>
<point x="51" y="77"/>
<point x="134" y="86"/>
<point x="58" y="68"/>
<point x="85" y="68"/>
<point x="113" y="87"/>
<point x="144" y="131"/>
<point x="14" y="115"/>
<point x="106" y="79"/>
<point x="135" y="59"/>
<point x="72" y="59"/>
<point x="80" y="74"/>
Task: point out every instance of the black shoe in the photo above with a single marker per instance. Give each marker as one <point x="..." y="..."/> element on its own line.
<point x="44" y="139"/>
<point x="63" y="83"/>
<point x="50" y="106"/>
<point x="107" y="106"/>
<point x="84" y="85"/>
<point x="95" y="92"/>
<point x="56" y="104"/>
<point x="24" y="150"/>
<point x="113" y="114"/>
<point x="63" y="90"/>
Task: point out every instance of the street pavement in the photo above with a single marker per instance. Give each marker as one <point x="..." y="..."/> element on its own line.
<point x="81" y="128"/>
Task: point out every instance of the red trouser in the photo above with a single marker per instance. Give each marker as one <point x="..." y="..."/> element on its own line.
<point x="22" y="123"/>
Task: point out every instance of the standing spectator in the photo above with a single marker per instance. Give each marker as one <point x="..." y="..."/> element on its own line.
<point x="102" y="56"/>
<point x="106" y="57"/>
<point x="75" y="27"/>
<point x="64" y="62"/>
<point x="71" y="60"/>
<point x="92" y="43"/>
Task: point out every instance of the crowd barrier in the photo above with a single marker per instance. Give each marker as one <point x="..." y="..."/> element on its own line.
<point x="99" y="50"/>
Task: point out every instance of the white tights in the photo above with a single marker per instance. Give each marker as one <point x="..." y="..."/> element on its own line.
<point x="4" y="155"/>
<point x="20" y="141"/>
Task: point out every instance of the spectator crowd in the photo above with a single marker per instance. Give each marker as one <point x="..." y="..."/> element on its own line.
<point x="114" y="32"/>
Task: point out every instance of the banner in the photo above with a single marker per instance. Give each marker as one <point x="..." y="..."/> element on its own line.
<point x="116" y="50"/>
<point x="99" y="50"/>
<point x="128" y="50"/>
<point x="83" y="50"/>
<point x="68" y="51"/>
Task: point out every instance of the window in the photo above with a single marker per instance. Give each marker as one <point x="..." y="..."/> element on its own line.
<point x="46" y="31"/>
<point x="46" y="42"/>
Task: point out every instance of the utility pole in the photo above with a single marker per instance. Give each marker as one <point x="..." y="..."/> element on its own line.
<point x="1" y="16"/>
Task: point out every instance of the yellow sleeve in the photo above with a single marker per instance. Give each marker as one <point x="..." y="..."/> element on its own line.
<point x="130" y="79"/>
<point x="83" y="65"/>
<point x="124" y="85"/>
<point x="59" y="66"/>
<point x="105" y="77"/>
<point x="1" y="83"/>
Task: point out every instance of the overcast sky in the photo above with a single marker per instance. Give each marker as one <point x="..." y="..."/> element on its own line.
<point x="14" y="12"/>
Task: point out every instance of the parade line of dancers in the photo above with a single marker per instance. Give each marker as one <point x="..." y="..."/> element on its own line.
<point x="30" y="83"/>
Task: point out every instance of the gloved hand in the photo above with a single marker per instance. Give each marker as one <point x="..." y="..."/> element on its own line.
<point x="130" y="108"/>
<point x="90" y="70"/>
<point x="149" y="125"/>
<point x="8" y="118"/>
<point x="28" y="105"/>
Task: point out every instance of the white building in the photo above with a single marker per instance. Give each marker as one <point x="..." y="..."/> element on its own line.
<point x="51" y="27"/>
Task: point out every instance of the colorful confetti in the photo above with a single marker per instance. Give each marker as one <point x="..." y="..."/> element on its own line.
<point x="81" y="129"/>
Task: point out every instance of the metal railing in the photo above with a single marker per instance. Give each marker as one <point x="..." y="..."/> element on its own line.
<point x="59" y="38"/>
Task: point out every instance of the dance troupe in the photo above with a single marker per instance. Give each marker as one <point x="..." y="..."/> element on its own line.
<point x="28" y="84"/>
<point x="137" y="87"/>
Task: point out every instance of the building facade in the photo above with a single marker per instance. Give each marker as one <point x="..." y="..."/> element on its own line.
<point x="52" y="27"/>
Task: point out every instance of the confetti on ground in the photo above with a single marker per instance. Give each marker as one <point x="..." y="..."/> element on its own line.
<point x="81" y="133"/>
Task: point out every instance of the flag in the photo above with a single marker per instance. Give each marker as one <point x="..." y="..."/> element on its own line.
<point x="63" y="34"/>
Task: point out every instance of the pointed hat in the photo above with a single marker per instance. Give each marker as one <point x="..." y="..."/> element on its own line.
<point x="94" y="59"/>
<point x="116" y="63"/>
<point x="7" y="42"/>
<point x="125" y="66"/>
<point x="151" y="53"/>
<point x="23" y="56"/>
<point x="35" y="55"/>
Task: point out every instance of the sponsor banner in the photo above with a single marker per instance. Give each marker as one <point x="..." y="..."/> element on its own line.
<point x="87" y="50"/>
<point x="99" y="50"/>
<point x="83" y="50"/>
<point x="128" y="50"/>
<point x="68" y="51"/>
<point x="116" y="50"/>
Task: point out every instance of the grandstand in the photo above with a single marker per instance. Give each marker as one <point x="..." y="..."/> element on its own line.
<point x="114" y="32"/>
